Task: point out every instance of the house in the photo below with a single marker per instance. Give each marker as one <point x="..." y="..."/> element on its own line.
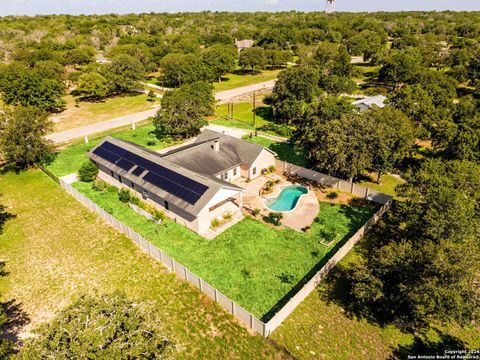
<point x="192" y="184"/>
<point x="368" y="102"/>
<point x="243" y="44"/>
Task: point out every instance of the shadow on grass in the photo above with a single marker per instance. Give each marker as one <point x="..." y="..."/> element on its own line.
<point x="353" y="227"/>
<point x="424" y="346"/>
<point x="265" y="112"/>
<point x="290" y="153"/>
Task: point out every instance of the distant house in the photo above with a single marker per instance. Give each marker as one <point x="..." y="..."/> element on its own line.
<point x="192" y="183"/>
<point x="368" y="102"/>
<point x="243" y="44"/>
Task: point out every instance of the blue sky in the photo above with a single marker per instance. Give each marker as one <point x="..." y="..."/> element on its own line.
<point x="33" y="7"/>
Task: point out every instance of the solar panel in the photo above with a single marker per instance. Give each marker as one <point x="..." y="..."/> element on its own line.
<point x="138" y="171"/>
<point x="174" y="183"/>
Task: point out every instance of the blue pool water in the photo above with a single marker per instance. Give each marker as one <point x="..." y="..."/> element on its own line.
<point x="288" y="198"/>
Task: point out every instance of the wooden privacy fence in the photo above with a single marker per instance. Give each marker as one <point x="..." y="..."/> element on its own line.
<point x="248" y="319"/>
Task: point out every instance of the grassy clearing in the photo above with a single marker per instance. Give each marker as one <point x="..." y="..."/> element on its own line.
<point x="244" y="78"/>
<point x="55" y="250"/>
<point x="387" y="185"/>
<point x="71" y="158"/>
<point x="320" y="328"/>
<point x="285" y="151"/>
<point x="93" y="112"/>
<point x="251" y="263"/>
<point x="244" y="114"/>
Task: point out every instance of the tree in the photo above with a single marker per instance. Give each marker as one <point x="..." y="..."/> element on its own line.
<point x="401" y="66"/>
<point x="125" y="74"/>
<point x="88" y="171"/>
<point x="93" y="86"/>
<point x="183" y="111"/>
<point x="394" y="139"/>
<point x="20" y="85"/>
<point x="294" y="88"/>
<point x="100" y="327"/>
<point x="220" y="59"/>
<point x="423" y="260"/>
<point x="179" y="69"/>
<point x="253" y="58"/>
<point x="278" y="58"/>
<point x="339" y="146"/>
<point x="22" y="132"/>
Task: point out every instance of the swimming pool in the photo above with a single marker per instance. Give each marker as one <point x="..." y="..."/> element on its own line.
<point x="288" y="198"/>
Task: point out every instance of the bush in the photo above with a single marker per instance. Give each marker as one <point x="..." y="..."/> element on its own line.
<point x="215" y="223"/>
<point x="256" y="212"/>
<point x="228" y="216"/>
<point x="124" y="195"/>
<point x="99" y="185"/>
<point x="101" y="327"/>
<point x="282" y="130"/>
<point x="134" y="200"/>
<point x="275" y="218"/>
<point x="332" y="195"/>
<point x="271" y="168"/>
<point x="88" y="171"/>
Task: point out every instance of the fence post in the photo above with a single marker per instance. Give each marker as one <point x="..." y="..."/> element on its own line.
<point x="367" y="192"/>
<point x="233" y="307"/>
<point x="216" y="295"/>
<point x="351" y="187"/>
<point x="251" y="321"/>
<point x="186" y="273"/>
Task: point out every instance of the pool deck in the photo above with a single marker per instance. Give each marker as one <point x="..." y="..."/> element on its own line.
<point x="303" y="215"/>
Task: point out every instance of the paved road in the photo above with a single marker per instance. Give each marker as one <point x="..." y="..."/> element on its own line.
<point x="222" y="96"/>
<point x="227" y="95"/>
<point x="80" y="132"/>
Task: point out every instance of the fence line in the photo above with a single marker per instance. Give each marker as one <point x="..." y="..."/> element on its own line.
<point x="247" y="318"/>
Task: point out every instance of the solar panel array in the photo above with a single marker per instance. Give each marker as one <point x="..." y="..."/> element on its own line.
<point x="174" y="183"/>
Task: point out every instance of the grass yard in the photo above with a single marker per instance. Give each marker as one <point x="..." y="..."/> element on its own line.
<point x="251" y="263"/>
<point x="244" y="78"/>
<point x="320" y="328"/>
<point x="56" y="250"/>
<point x="387" y="184"/>
<point x="285" y="151"/>
<point x="71" y="158"/>
<point x="93" y="112"/>
<point x="243" y="112"/>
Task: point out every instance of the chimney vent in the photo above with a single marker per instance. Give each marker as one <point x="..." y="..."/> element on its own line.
<point x="216" y="146"/>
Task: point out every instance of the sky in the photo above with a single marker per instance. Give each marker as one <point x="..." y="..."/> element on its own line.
<point x="35" y="7"/>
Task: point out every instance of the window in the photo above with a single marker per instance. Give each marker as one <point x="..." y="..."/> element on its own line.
<point x="111" y="173"/>
<point x="234" y="171"/>
<point x="225" y="176"/>
<point x="254" y="171"/>
<point x="120" y="179"/>
<point x="133" y="185"/>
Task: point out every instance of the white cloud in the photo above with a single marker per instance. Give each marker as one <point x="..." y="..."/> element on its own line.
<point x="271" y="2"/>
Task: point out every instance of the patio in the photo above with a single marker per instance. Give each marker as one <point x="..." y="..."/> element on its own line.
<point x="299" y="218"/>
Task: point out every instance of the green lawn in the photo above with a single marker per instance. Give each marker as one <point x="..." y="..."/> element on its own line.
<point x="251" y="263"/>
<point x="71" y="158"/>
<point x="387" y="184"/>
<point x="244" y="114"/>
<point x="240" y="79"/>
<point x="285" y="151"/>
<point x="320" y="328"/>
<point x="56" y="250"/>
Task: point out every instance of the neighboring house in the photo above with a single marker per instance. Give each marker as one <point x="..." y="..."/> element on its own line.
<point x="189" y="183"/>
<point x="243" y="44"/>
<point x="368" y="102"/>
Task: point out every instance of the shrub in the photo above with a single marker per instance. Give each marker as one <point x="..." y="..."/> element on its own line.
<point x="332" y="195"/>
<point x="271" y="168"/>
<point x="124" y="195"/>
<point x="101" y="327"/>
<point x="228" y="216"/>
<point x="135" y="200"/>
<point x="275" y="218"/>
<point x="282" y="130"/>
<point x="215" y="223"/>
<point x="151" y="143"/>
<point x="99" y="185"/>
<point x="88" y="171"/>
<point x="256" y="212"/>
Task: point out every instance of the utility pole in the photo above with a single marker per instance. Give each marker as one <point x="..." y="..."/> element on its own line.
<point x="254" y="111"/>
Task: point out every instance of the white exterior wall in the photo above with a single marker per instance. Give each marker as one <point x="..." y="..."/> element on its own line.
<point x="230" y="174"/>
<point x="263" y="161"/>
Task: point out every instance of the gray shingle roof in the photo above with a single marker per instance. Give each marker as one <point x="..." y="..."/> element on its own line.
<point x="368" y="102"/>
<point x="213" y="184"/>
<point x="201" y="157"/>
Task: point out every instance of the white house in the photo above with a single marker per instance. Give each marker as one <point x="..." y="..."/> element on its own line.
<point x="368" y="102"/>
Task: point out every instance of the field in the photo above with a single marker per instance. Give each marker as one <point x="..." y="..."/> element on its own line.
<point x="243" y="113"/>
<point x="244" y="78"/>
<point x="55" y="250"/>
<point x="254" y="273"/>
<point x="321" y="328"/>
<point x="93" y="112"/>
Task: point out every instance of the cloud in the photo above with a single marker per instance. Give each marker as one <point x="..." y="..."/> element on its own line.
<point x="271" y="2"/>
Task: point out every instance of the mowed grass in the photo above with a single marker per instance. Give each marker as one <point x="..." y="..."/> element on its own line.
<point x="56" y="250"/>
<point x="87" y="113"/>
<point x="243" y="114"/>
<point x="244" y="78"/>
<point x="285" y="151"/>
<point x="320" y="328"/>
<point x="387" y="185"/>
<point x="252" y="263"/>
<point x="70" y="159"/>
